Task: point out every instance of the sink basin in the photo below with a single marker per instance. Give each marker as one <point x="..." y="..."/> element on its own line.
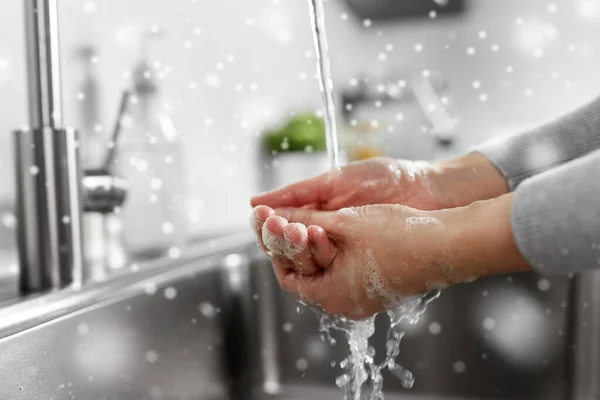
<point x="214" y="325"/>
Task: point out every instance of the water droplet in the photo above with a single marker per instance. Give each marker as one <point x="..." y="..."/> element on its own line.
<point x="151" y="356"/>
<point x="435" y="328"/>
<point x="34" y="170"/>
<point x="8" y="220"/>
<point x="471" y="51"/>
<point x="543" y="285"/>
<point x="156" y="183"/>
<point x="489" y="324"/>
<point x="142" y="165"/>
<point x="174" y="252"/>
<point x="288" y="327"/>
<point x="432" y="14"/>
<point x="367" y="23"/>
<point x="418" y="47"/>
<point x="459" y="367"/>
<point x="83" y="329"/>
<point x="66" y="220"/>
<point x="207" y="309"/>
<point x="150" y="288"/>
<point x="301" y="365"/>
<point x="170" y="293"/>
<point x="168" y="228"/>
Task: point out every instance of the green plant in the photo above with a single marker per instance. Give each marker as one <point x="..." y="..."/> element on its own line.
<point x="303" y="133"/>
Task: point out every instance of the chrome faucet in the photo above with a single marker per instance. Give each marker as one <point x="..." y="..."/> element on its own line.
<point x="409" y="88"/>
<point x="52" y="190"/>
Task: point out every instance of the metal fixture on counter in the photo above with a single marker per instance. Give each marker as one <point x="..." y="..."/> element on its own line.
<point x="49" y="177"/>
<point x="407" y="89"/>
<point x="103" y="191"/>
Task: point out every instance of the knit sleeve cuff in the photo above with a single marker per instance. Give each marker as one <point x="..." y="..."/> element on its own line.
<point x="556" y="217"/>
<point x="529" y="153"/>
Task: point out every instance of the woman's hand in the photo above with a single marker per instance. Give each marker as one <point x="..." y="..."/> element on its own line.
<point x="359" y="261"/>
<point x="419" y="185"/>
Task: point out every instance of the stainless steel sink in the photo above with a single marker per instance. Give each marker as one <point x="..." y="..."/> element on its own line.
<point x="214" y="325"/>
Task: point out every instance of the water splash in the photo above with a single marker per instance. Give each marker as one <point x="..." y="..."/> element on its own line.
<point x="362" y="378"/>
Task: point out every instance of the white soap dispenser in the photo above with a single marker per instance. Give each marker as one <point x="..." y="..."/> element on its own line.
<point x="149" y="158"/>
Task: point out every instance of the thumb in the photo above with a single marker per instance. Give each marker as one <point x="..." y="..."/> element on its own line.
<point x="324" y="219"/>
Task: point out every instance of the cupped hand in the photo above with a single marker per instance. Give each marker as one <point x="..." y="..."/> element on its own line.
<point x="373" y="181"/>
<point x="357" y="261"/>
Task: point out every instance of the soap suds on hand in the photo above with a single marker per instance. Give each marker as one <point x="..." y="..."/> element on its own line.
<point x="412" y="222"/>
<point x="283" y="245"/>
<point x="375" y="284"/>
<point x="254" y="221"/>
<point x="349" y="212"/>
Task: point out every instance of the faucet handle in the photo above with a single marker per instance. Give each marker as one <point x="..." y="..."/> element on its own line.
<point x="432" y="106"/>
<point x="102" y="192"/>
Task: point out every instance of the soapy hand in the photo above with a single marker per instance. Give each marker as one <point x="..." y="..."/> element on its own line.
<point x="374" y="181"/>
<point x="357" y="261"/>
<point x="417" y="184"/>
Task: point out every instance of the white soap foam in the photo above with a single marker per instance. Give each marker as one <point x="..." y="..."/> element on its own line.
<point x="282" y="245"/>
<point x="395" y="169"/>
<point x="414" y="169"/>
<point x="375" y="284"/>
<point x="254" y="221"/>
<point x="349" y="212"/>
<point x="411" y="222"/>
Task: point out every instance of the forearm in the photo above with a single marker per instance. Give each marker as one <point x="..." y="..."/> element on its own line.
<point x="550" y="223"/>
<point x="462" y="181"/>
<point x="478" y="240"/>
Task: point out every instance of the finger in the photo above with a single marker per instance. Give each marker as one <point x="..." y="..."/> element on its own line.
<point x="257" y="219"/>
<point x="324" y="219"/>
<point x="299" y="251"/>
<point x="315" y="290"/>
<point x="272" y="234"/>
<point x="311" y="191"/>
<point x="323" y="249"/>
<point x="283" y="262"/>
<point x="287" y="278"/>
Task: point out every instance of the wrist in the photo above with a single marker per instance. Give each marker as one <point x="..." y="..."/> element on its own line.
<point x="480" y="239"/>
<point x="467" y="179"/>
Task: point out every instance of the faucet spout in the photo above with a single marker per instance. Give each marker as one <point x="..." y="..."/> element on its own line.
<point x="47" y="165"/>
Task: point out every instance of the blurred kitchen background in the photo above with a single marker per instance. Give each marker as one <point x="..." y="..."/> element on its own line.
<point x="228" y="71"/>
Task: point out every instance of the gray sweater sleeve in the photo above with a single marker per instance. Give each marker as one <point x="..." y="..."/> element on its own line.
<point x="524" y="155"/>
<point x="556" y="217"/>
<point x="554" y="171"/>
